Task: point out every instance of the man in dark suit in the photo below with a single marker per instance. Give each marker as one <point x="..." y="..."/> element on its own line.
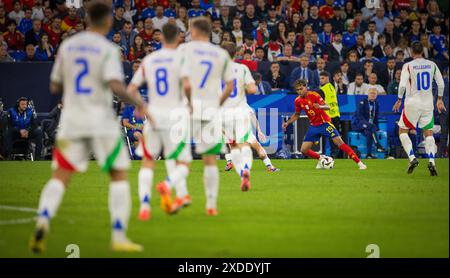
<point x="387" y="75"/>
<point x="366" y="120"/>
<point x="262" y="86"/>
<point x="359" y="46"/>
<point x="303" y="72"/>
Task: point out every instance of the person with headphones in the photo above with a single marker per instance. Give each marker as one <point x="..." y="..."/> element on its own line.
<point x="23" y="125"/>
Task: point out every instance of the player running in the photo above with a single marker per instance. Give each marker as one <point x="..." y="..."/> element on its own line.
<point x="314" y="107"/>
<point x="87" y="69"/>
<point x="169" y="132"/>
<point x="236" y="121"/>
<point x="416" y="80"/>
<point x="262" y="154"/>
<point x="204" y="67"/>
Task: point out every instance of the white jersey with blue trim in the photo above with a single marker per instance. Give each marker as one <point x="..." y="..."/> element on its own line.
<point x="242" y="78"/>
<point x="206" y="65"/>
<point x="417" y="81"/>
<point x="161" y="72"/>
<point x="84" y="65"/>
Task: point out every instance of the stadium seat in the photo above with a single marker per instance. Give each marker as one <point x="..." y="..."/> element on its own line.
<point x="23" y="149"/>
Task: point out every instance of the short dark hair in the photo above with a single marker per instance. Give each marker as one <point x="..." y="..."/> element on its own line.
<point x="230" y="47"/>
<point x="325" y="73"/>
<point x="300" y="82"/>
<point x="170" y="32"/>
<point x="372" y="22"/>
<point x="417" y="47"/>
<point x="248" y="51"/>
<point x="202" y="24"/>
<point x="98" y="12"/>
<point x="359" y="74"/>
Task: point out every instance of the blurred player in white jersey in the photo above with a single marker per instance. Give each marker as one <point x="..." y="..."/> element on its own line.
<point x="87" y="69"/>
<point x="417" y="81"/>
<point x="169" y="132"/>
<point x="204" y="67"/>
<point x="236" y="121"/>
<point x="254" y="143"/>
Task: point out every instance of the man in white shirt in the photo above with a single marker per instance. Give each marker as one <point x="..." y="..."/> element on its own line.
<point x="373" y="84"/>
<point x="371" y="35"/>
<point x="358" y="87"/>
<point x="159" y="20"/>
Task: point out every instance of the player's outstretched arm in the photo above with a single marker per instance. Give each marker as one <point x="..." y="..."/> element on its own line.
<point x="291" y="120"/>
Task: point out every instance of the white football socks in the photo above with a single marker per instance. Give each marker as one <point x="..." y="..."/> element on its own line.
<point x="247" y="158"/>
<point x="119" y="208"/>
<point x="176" y="175"/>
<point x="407" y="145"/>
<point x="211" y="182"/>
<point x="49" y="202"/>
<point x="180" y="186"/>
<point x="145" y="187"/>
<point x="430" y="148"/>
<point x="236" y="156"/>
<point x="228" y="157"/>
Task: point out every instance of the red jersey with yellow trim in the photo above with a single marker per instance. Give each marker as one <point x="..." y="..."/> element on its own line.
<point x="316" y="116"/>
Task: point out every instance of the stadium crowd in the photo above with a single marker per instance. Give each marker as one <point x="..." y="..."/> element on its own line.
<point x="360" y="44"/>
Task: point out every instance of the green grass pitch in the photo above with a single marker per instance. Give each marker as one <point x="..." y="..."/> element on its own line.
<point x="297" y="212"/>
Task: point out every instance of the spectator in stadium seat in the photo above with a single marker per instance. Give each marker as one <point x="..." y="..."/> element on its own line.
<point x="388" y="53"/>
<point x="361" y="26"/>
<point x="260" y="55"/>
<point x="262" y="86"/>
<point x="159" y="20"/>
<point x="352" y="56"/>
<point x="326" y="37"/>
<point x="52" y="126"/>
<point x="314" y="20"/>
<point x="195" y="9"/>
<point x="273" y="48"/>
<point x="437" y="40"/>
<point x="248" y="60"/>
<point x="262" y="8"/>
<point x="292" y="40"/>
<point x="54" y="32"/>
<point x="399" y="28"/>
<point x="17" y="13"/>
<point x="320" y="66"/>
<point x="249" y="21"/>
<point x="182" y="19"/>
<point x="392" y="88"/>
<point x="216" y="33"/>
<point x="147" y="33"/>
<point x="33" y="36"/>
<point x="127" y="35"/>
<point x="303" y="72"/>
<point x="70" y="21"/>
<point x="4" y="56"/>
<point x="414" y="34"/>
<point x="317" y="47"/>
<point x="426" y="23"/>
<point x="347" y="75"/>
<point x="338" y="83"/>
<point x="227" y="37"/>
<point x="305" y="36"/>
<point x="427" y="48"/>
<point x="149" y="10"/>
<point x="326" y="11"/>
<point x="366" y="120"/>
<point x="349" y="37"/>
<point x="387" y="74"/>
<point x="130" y="12"/>
<point x="378" y="51"/>
<point x="400" y="56"/>
<point x="371" y="35"/>
<point x="357" y="87"/>
<point x="359" y="46"/>
<point x="282" y="32"/>
<point x="156" y="41"/>
<point x="239" y="9"/>
<point x="137" y="49"/>
<point x="261" y="34"/>
<point x="403" y="46"/>
<point x="389" y="33"/>
<point x="117" y="39"/>
<point x="336" y="50"/>
<point x="119" y="21"/>
<point x="390" y="10"/>
<point x="249" y="44"/>
<point x="373" y="84"/>
<point x="48" y="15"/>
<point x="44" y="51"/>
<point x="237" y="32"/>
<point x="3" y="20"/>
<point x="287" y="55"/>
<point x="30" y="52"/>
<point x="275" y="78"/>
<point x="13" y="38"/>
<point x="26" y="23"/>
<point x="309" y="52"/>
<point x="338" y="21"/>
<point x="368" y="51"/>
<point x="368" y="12"/>
<point x="296" y="24"/>
<point x="380" y="20"/>
<point x="23" y="125"/>
<point x="349" y="9"/>
<point x="225" y="18"/>
<point x="272" y="18"/>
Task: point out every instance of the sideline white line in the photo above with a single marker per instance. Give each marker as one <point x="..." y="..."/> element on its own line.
<point x="18" y="208"/>
<point x="17" y="221"/>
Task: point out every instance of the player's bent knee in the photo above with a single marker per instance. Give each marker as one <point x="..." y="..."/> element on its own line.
<point x="63" y="175"/>
<point x="118" y="175"/>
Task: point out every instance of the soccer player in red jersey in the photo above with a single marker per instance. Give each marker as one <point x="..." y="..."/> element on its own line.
<point x="314" y="106"/>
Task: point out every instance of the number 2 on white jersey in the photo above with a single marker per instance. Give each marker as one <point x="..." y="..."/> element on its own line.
<point x="83" y="72"/>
